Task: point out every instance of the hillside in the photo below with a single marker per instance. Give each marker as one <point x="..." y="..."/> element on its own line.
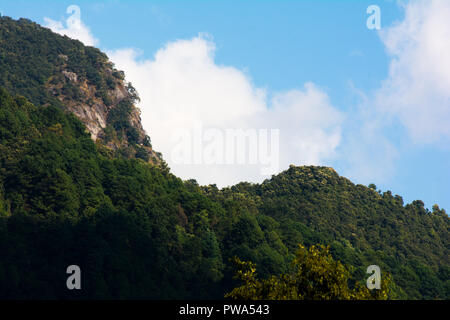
<point x="73" y="191"/>
<point x="362" y="225"/>
<point x="49" y="69"/>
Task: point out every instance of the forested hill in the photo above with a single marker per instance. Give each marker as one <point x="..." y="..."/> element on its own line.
<point x="50" y="69"/>
<point x="371" y="220"/>
<point x="363" y="226"/>
<point x="137" y="231"/>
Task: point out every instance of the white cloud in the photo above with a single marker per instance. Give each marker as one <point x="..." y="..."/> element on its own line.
<point x="366" y="153"/>
<point x="310" y="124"/>
<point x="74" y="29"/>
<point x="183" y="85"/>
<point x="412" y="106"/>
<point x="417" y="90"/>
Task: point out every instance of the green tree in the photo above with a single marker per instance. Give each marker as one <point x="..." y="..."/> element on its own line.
<point x="314" y="275"/>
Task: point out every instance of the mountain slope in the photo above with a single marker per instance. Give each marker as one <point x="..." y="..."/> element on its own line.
<point x="136" y="230"/>
<point x="49" y="69"/>
<point x="363" y="226"/>
<point x="63" y="202"/>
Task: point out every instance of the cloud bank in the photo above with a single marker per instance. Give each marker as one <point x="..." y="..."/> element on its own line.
<point x="417" y="91"/>
<point x="183" y="85"/>
<point x="411" y="108"/>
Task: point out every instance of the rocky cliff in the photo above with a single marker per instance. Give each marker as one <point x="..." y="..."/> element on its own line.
<point x="50" y="69"/>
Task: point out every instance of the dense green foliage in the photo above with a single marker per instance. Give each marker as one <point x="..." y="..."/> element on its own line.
<point x="315" y="205"/>
<point x="62" y="203"/>
<point x="137" y="231"/>
<point x="36" y="63"/>
<point x="31" y="56"/>
<point x="314" y="275"/>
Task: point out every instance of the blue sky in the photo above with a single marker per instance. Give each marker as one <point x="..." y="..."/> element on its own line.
<point x="279" y="46"/>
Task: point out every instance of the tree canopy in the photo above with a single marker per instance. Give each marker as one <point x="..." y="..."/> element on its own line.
<point x="314" y="275"/>
<point x="139" y="232"/>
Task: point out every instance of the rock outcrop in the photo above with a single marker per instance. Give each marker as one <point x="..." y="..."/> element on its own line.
<point x="49" y="69"/>
<point x="95" y="108"/>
